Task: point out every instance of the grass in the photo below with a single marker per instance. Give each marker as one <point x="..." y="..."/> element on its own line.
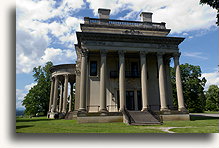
<point x="198" y="124"/>
<point x="211" y="112"/>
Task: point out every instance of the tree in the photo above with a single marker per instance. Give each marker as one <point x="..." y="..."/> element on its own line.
<point x="37" y="99"/>
<point x="214" y="4"/>
<point x="193" y="87"/>
<point x="212" y="98"/>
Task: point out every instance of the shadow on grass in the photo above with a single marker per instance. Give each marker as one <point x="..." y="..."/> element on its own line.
<point x="201" y="117"/>
<point x="31" y="120"/>
<point x="23" y="126"/>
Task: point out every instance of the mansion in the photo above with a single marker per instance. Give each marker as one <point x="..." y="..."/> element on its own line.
<point x="122" y="74"/>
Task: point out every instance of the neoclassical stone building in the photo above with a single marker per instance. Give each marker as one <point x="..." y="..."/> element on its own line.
<point x="122" y="71"/>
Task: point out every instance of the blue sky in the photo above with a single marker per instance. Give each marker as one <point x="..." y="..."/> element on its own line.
<point x="45" y="31"/>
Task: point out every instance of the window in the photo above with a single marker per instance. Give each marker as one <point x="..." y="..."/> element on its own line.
<point x="93" y="68"/>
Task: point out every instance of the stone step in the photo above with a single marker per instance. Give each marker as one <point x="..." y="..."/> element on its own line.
<point x="142" y="118"/>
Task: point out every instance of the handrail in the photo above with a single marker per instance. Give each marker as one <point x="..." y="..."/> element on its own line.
<point x="112" y="22"/>
<point x="130" y="119"/>
<point x="155" y="116"/>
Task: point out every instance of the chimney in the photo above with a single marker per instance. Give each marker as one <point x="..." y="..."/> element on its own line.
<point x="103" y="13"/>
<point x="146" y="16"/>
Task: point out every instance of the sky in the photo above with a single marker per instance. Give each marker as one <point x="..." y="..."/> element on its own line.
<point x="45" y="31"/>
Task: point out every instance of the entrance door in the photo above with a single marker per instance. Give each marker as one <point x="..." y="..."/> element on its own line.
<point x="130" y="103"/>
<point x="139" y="100"/>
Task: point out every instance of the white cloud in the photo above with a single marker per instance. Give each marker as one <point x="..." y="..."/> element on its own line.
<point x="33" y="30"/>
<point x="58" y="56"/>
<point x="198" y="55"/>
<point x="180" y="15"/>
<point x="29" y="86"/>
<point x="212" y="79"/>
<point x="34" y="33"/>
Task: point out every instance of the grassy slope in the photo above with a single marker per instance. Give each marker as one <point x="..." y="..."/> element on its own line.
<point x="44" y="125"/>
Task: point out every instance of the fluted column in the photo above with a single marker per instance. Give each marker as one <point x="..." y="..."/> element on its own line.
<point x="181" y="105"/>
<point x="162" y="85"/>
<point x="144" y="85"/>
<point x="55" y="95"/>
<point x="83" y="80"/>
<point x="103" y="82"/>
<point x="65" y="94"/>
<point x="70" y="99"/>
<point x="122" y="80"/>
<point x="51" y="95"/>
<point x="61" y="97"/>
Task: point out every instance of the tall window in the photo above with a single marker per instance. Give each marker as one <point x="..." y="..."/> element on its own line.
<point x="93" y="68"/>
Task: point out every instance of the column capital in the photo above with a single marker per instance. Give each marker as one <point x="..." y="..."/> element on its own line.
<point x="103" y="52"/>
<point x="66" y="75"/>
<point x="143" y="53"/>
<point x="176" y="55"/>
<point x="83" y="51"/>
<point x="121" y="52"/>
<point x="55" y="77"/>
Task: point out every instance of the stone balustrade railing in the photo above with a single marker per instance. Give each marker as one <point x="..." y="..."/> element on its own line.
<point x="124" y="23"/>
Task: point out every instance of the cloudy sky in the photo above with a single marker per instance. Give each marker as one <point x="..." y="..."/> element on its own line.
<point x="45" y="31"/>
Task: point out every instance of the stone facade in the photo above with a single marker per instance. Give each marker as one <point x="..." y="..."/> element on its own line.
<point x="125" y="65"/>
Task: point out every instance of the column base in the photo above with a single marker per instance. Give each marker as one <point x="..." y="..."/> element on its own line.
<point x="82" y="110"/>
<point x="145" y="109"/>
<point x="121" y="110"/>
<point x="103" y="112"/>
<point x="164" y="109"/>
<point x="54" y="115"/>
<point x="183" y="109"/>
<point x="82" y="113"/>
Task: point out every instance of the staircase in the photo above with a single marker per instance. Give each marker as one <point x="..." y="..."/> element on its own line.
<point x="142" y="117"/>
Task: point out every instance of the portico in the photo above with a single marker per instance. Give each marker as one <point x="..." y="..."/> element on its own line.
<point x="162" y="60"/>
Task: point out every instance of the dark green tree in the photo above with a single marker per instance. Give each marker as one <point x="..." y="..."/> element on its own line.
<point x="214" y="4"/>
<point x="193" y="87"/>
<point x="212" y="98"/>
<point x="37" y="99"/>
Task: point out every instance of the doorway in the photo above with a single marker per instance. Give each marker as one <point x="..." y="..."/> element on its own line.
<point x="130" y="100"/>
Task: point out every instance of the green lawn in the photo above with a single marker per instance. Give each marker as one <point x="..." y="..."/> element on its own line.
<point x="44" y="125"/>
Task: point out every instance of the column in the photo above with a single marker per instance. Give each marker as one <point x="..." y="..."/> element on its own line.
<point x="181" y="106"/>
<point x="51" y="95"/>
<point x="60" y="101"/>
<point x="70" y="99"/>
<point x="103" y="81"/>
<point x="122" y="80"/>
<point x="55" y="95"/>
<point x="65" y="94"/>
<point x="83" y="80"/>
<point x="144" y="85"/>
<point x="162" y="85"/>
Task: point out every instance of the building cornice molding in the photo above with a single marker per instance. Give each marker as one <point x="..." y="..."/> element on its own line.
<point x="84" y="36"/>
